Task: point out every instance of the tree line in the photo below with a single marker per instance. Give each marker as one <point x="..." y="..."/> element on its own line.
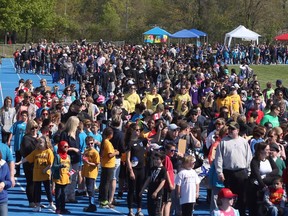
<point x="114" y="20"/>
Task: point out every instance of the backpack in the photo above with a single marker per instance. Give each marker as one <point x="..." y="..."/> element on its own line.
<point x="56" y="167"/>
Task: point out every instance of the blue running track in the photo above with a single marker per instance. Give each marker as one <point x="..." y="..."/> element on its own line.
<point x="18" y="204"/>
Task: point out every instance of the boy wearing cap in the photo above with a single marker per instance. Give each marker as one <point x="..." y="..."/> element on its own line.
<point x="225" y="203"/>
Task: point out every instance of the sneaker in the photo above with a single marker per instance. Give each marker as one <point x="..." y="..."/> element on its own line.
<point x="104" y="203"/>
<point x="37" y="209"/>
<point x="52" y="207"/>
<point x="90" y="208"/>
<point x="139" y="214"/>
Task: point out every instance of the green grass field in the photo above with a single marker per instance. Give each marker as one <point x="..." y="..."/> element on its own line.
<point x="266" y="73"/>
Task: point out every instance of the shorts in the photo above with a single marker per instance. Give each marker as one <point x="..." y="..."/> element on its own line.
<point x="167" y="195"/>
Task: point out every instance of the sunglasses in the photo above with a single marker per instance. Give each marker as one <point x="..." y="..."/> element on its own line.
<point x="83" y="98"/>
<point x="46" y="114"/>
<point x="65" y="146"/>
<point x="34" y="128"/>
<point x="137" y="129"/>
<point x="173" y="150"/>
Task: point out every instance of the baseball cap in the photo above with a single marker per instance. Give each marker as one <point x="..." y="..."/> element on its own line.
<point x="236" y="85"/>
<point x="234" y="125"/>
<point x="226" y="193"/>
<point x="100" y="99"/>
<point x="173" y="127"/>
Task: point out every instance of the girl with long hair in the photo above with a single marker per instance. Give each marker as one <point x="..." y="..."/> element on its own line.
<point x="7" y="118"/>
<point x="42" y="158"/>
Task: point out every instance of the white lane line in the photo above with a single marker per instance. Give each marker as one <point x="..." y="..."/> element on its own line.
<point x="15" y="69"/>
<point x="18" y="183"/>
<point x="120" y="213"/>
<point x="1" y="93"/>
<point x="24" y="190"/>
<point x="38" y="76"/>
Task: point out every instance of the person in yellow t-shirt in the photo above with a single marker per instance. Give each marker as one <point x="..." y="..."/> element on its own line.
<point x="108" y="160"/>
<point x="133" y="98"/>
<point x="62" y="164"/>
<point x="153" y="99"/>
<point x="43" y="158"/>
<point x="91" y="160"/>
<point x="236" y="101"/>
<point x="182" y="99"/>
<point x="224" y="100"/>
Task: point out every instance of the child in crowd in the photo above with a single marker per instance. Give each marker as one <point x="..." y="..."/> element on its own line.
<point x="108" y="159"/>
<point x="96" y="135"/>
<point x="225" y="202"/>
<point x="61" y="178"/>
<point x="274" y="153"/>
<point x="91" y="160"/>
<point x="187" y="186"/>
<point x="275" y="198"/>
<point x="156" y="180"/>
<point x="43" y="158"/>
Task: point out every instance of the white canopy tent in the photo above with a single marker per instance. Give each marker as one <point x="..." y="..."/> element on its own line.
<point x="241" y="32"/>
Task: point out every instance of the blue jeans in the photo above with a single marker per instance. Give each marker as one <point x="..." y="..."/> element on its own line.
<point x="68" y="79"/>
<point x="4" y="209"/>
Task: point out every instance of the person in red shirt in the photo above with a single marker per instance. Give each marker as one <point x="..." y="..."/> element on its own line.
<point x="275" y="198"/>
<point x="256" y="108"/>
<point x="169" y="186"/>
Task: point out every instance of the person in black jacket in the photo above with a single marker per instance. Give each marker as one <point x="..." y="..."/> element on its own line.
<point x="28" y="145"/>
<point x="263" y="171"/>
<point x="70" y="134"/>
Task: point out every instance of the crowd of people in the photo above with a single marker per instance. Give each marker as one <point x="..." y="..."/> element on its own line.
<point x="148" y="117"/>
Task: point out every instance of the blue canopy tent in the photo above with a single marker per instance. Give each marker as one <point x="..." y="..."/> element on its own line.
<point x="156" y="35"/>
<point x="198" y="32"/>
<point x="184" y="34"/>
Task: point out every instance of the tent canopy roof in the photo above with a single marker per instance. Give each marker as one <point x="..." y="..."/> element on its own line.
<point x="242" y="32"/>
<point x="156" y="31"/>
<point x="282" y="37"/>
<point x="184" y="34"/>
<point x="198" y="32"/>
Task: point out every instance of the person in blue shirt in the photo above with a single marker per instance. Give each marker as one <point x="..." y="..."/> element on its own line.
<point x="8" y="157"/>
<point x="18" y="130"/>
<point x="5" y="183"/>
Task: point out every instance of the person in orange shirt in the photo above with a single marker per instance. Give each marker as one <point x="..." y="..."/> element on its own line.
<point x="43" y="158"/>
<point x="61" y="176"/>
<point x="108" y="160"/>
<point x="91" y="160"/>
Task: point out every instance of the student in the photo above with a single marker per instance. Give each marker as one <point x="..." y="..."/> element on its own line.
<point x="5" y="183"/>
<point x="91" y="160"/>
<point x="43" y="158"/>
<point x="225" y="202"/>
<point x="61" y="176"/>
<point x="108" y="158"/>
<point x="275" y="198"/>
<point x="187" y="186"/>
<point x="155" y="182"/>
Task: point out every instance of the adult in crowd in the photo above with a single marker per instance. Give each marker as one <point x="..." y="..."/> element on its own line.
<point x="272" y="117"/>
<point x="135" y="166"/>
<point x="232" y="162"/>
<point x="70" y="134"/>
<point x="28" y="145"/>
<point x="7" y="118"/>
<point x="263" y="172"/>
<point x="5" y="183"/>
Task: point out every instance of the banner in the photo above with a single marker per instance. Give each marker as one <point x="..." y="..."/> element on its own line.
<point x="155" y="38"/>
